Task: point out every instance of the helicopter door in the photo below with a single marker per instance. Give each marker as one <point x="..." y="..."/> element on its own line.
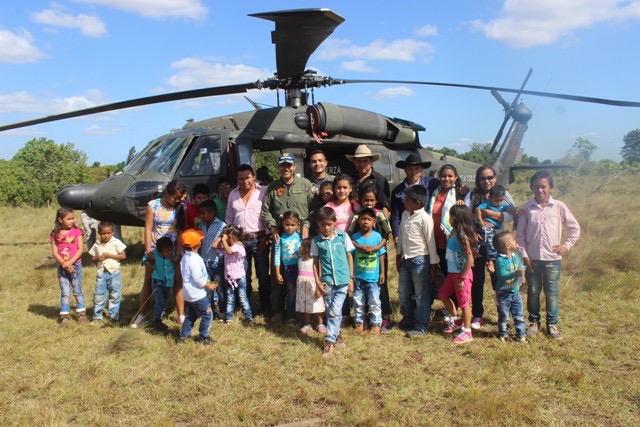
<point x="238" y="153"/>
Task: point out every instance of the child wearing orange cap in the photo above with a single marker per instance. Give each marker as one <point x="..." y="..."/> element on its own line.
<point x="195" y="282"/>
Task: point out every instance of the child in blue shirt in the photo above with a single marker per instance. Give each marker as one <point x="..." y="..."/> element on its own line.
<point x="212" y="227"/>
<point x="162" y="277"/>
<point x="495" y="202"/>
<point x="333" y="270"/>
<point x="510" y="275"/>
<point x="285" y="260"/>
<point x="195" y="285"/>
<point x="369" y="272"/>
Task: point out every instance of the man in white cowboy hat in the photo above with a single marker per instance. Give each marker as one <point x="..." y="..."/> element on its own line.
<point x="363" y="160"/>
<point x="413" y="168"/>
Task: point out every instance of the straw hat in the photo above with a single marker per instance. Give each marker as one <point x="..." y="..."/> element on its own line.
<point x="363" y="151"/>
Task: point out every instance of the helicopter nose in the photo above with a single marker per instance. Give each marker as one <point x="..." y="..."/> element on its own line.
<point x="76" y="196"/>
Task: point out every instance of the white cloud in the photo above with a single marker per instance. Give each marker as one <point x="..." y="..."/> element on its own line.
<point x="24" y="102"/>
<point x="526" y="23"/>
<point x="393" y="92"/>
<point x="97" y="130"/>
<point x="89" y="25"/>
<point x="426" y="31"/>
<point x="193" y="73"/>
<point x="358" y="65"/>
<point x="157" y="9"/>
<point x="18" y="47"/>
<point x="405" y="50"/>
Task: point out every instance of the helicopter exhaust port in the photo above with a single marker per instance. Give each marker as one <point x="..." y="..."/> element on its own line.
<point x="336" y="119"/>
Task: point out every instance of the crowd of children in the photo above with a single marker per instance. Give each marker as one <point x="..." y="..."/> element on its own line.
<point x="347" y="255"/>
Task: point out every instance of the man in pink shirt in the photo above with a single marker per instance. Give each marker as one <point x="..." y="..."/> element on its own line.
<point x="539" y="238"/>
<point x="243" y="209"/>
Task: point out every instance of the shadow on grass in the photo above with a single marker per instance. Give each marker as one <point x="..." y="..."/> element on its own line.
<point x="44" y="310"/>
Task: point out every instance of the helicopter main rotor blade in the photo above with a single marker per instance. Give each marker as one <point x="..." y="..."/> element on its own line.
<point x="297" y="35"/>
<point x="138" y="102"/>
<point x="579" y="98"/>
<point x="498" y="137"/>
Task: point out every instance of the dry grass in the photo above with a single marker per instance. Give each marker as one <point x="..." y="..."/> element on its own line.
<point x="85" y="375"/>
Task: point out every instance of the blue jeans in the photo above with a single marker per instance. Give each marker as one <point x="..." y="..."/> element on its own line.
<point x="217" y="298"/>
<point x="334" y="300"/>
<point x="414" y="288"/>
<point x="71" y="282"/>
<point x="363" y="293"/>
<point x="110" y="284"/>
<point x="545" y="276"/>
<point x="242" y="295"/>
<point x="202" y="309"/>
<point x="487" y="234"/>
<point x="290" y="277"/>
<point x="162" y="294"/>
<point x="261" y="260"/>
<point x="510" y="302"/>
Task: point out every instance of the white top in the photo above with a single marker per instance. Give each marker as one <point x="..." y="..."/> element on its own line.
<point x="114" y="247"/>
<point x="194" y="276"/>
<point x="416" y="236"/>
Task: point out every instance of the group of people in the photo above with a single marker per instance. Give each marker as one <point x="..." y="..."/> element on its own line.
<point x="326" y="237"/>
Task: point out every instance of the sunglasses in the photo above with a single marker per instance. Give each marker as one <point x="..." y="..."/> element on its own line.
<point x="487" y="178"/>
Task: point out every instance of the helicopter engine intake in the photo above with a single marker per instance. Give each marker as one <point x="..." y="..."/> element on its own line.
<point x="335" y="119"/>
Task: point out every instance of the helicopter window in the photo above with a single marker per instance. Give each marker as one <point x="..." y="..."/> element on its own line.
<point x="204" y="158"/>
<point x="142" y="158"/>
<point x="384" y="165"/>
<point x="165" y="157"/>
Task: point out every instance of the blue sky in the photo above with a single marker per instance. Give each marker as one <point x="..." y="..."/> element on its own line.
<point x="58" y="56"/>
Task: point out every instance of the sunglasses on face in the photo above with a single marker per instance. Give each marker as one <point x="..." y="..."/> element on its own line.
<point x="486" y="178"/>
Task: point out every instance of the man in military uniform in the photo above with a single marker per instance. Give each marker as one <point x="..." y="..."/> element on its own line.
<point x="288" y="193"/>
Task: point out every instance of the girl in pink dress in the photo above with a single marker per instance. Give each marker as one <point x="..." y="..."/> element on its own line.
<point x="343" y="202"/>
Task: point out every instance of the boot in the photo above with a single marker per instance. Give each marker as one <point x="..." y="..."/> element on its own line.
<point x="64" y="320"/>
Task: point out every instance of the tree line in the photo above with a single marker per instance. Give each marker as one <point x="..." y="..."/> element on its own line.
<point x="39" y="169"/>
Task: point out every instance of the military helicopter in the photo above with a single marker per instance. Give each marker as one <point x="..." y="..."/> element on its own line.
<point x="203" y="151"/>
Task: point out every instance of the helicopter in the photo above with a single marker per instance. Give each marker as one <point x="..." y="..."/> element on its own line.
<point x="202" y="151"/>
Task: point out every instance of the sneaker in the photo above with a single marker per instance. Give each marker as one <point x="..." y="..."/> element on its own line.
<point x="503" y="338"/>
<point x="64" y="320"/>
<point x="358" y="329"/>
<point x="159" y="326"/>
<point x="375" y="330"/>
<point x="415" y="333"/>
<point x="181" y="340"/>
<point x="521" y="339"/>
<point x="305" y="329"/>
<point x="554" y="332"/>
<point x="385" y="328"/>
<point x="453" y="325"/>
<point x="533" y="329"/>
<point x="327" y="350"/>
<point x="228" y="322"/>
<point x="322" y="329"/>
<point x="113" y="322"/>
<point x="204" y="341"/>
<point x="249" y="322"/>
<point x="82" y="317"/>
<point x="181" y="319"/>
<point x="340" y="343"/>
<point x="138" y="321"/>
<point x="97" y="321"/>
<point x="463" y="337"/>
<point x="476" y="323"/>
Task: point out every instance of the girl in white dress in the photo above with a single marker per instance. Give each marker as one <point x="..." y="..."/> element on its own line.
<point x="309" y="299"/>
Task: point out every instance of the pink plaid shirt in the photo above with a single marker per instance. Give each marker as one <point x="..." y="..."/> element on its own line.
<point x="540" y="229"/>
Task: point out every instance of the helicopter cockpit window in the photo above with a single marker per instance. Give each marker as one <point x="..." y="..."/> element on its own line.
<point x="204" y="158"/>
<point x="165" y="157"/>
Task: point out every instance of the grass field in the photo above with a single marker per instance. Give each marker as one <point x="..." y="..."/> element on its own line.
<point x="87" y="375"/>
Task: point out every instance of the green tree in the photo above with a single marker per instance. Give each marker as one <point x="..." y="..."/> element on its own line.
<point x="49" y="166"/>
<point x="631" y="149"/>
<point x="479" y="153"/>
